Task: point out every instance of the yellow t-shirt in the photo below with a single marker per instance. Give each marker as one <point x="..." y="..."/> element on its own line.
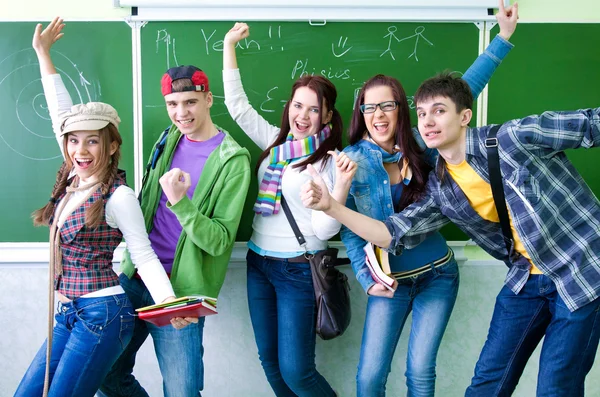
<point x="479" y="194"/>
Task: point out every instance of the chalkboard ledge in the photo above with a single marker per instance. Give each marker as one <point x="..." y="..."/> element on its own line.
<point x="28" y="255"/>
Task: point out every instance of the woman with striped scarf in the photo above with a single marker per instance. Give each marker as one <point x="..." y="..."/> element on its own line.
<point x="280" y="290"/>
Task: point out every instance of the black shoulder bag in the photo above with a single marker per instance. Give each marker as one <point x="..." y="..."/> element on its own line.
<point x="491" y="143"/>
<point x="332" y="291"/>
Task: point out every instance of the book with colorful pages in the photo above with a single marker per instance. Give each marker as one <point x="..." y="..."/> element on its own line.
<point x="179" y="302"/>
<point x="192" y="308"/>
<point x="378" y="263"/>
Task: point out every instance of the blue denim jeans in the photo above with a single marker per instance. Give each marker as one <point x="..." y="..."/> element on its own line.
<point x="431" y="297"/>
<point x="282" y="306"/>
<point x="518" y="324"/>
<point x="88" y="337"/>
<point x="179" y="353"/>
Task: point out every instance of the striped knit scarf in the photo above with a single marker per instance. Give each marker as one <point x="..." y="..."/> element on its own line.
<point x="269" y="193"/>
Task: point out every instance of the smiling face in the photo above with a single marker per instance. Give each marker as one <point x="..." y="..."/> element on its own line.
<point x="85" y="150"/>
<point x="304" y="114"/>
<point x="190" y="112"/>
<point x="441" y="126"/>
<point x="381" y="125"/>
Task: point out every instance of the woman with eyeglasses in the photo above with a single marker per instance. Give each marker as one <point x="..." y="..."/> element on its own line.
<point x="392" y="170"/>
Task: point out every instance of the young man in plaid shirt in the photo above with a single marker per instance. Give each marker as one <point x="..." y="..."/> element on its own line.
<point x="553" y="283"/>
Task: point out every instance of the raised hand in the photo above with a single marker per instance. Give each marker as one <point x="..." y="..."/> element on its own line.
<point x="44" y="39"/>
<point x="345" y="169"/>
<point x="314" y="193"/>
<point x="238" y="32"/>
<point x="507" y="19"/>
<point x="175" y="184"/>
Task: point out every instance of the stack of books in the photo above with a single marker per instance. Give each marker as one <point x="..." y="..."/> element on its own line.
<point x="379" y="265"/>
<point x="188" y="306"/>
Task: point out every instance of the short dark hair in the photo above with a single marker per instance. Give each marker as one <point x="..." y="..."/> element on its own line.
<point x="449" y="85"/>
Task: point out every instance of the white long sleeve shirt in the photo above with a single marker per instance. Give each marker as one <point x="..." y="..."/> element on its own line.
<point x="273" y="233"/>
<point x="122" y="209"/>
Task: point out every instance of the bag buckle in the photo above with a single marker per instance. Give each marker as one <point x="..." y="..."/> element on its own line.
<point x="491" y="142"/>
<point x="307" y="255"/>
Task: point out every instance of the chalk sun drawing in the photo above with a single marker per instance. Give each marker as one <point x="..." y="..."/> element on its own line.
<point x="31" y="120"/>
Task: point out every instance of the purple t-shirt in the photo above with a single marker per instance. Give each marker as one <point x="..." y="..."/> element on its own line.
<point x="190" y="156"/>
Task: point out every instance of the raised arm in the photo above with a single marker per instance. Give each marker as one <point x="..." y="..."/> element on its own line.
<point x="252" y="123"/>
<point x="481" y="71"/>
<point x="56" y="94"/>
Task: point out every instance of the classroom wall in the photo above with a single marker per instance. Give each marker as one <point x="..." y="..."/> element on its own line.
<point x="230" y="349"/>
<point x="232" y="368"/>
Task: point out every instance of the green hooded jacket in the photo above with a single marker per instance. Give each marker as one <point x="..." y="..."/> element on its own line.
<point x="209" y="220"/>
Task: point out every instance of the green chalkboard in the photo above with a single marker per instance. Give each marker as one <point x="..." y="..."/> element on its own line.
<point x="552" y="67"/>
<point x="277" y="53"/>
<point x="95" y="62"/>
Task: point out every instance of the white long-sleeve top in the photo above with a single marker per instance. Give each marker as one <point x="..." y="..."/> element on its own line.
<point x="122" y="209"/>
<point x="274" y="233"/>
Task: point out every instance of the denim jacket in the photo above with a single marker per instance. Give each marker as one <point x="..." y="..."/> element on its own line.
<point x="370" y="192"/>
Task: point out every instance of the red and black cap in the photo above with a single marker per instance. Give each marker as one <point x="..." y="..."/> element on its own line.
<point x="198" y="77"/>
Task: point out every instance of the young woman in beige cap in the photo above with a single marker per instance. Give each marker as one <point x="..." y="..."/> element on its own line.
<point x="90" y="211"/>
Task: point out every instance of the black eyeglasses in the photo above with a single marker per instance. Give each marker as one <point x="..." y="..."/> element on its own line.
<point x="386" y="106"/>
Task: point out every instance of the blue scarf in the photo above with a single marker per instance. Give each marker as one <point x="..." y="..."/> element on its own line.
<point x="405" y="172"/>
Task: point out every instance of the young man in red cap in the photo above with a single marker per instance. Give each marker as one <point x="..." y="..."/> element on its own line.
<point x="192" y="199"/>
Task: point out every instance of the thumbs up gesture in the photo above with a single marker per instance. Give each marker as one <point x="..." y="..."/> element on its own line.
<point x="314" y="193"/>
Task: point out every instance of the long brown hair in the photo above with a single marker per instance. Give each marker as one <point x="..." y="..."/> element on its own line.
<point x="327" y="95"/>
<point x="107" y="168"/>
<point x="404" y="138"/>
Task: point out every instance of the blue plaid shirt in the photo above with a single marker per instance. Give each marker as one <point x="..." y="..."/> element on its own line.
<point x="555" y="213"/>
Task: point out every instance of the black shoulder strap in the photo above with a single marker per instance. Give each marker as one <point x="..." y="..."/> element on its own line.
<point x="156" y="153"/>
<point x="293" y="224"/>
<point x="300" y="236"/>
<point x="491" y="143"/>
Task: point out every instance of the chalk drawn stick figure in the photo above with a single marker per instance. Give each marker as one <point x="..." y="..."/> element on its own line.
<point x="418" y="34"/>
<point x="391" y="35"/>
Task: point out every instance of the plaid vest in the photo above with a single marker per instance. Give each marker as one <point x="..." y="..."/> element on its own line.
<point x="87" y="253"/>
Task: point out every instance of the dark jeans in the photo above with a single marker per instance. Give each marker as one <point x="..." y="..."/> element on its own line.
<point x="282" y="309"/>
<point x="88" y="337"/>
<point x="518" y="324"/>
<point x="179" y="353"/>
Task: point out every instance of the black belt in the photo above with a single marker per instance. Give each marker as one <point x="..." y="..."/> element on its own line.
<point x="295" y="259"/>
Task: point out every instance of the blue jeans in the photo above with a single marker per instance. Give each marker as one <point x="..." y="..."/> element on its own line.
<point x="88" y="337"/>
<point x="431" y="297"/>
<point x="179" y="353"/>
<point x="518" y="324"/>
<point x="282" y="306"/>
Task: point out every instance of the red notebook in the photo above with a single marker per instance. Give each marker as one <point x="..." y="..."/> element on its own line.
<point x="161" y="317"/>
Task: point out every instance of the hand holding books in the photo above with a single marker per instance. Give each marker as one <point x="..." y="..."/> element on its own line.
<point x="379" y="266"/>
<point x="179" y="312"/>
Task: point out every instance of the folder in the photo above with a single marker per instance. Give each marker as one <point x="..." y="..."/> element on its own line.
<point x="161" y="315"/>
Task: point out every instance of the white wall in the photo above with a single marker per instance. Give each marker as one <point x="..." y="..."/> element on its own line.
<point x="231" y="359"/>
